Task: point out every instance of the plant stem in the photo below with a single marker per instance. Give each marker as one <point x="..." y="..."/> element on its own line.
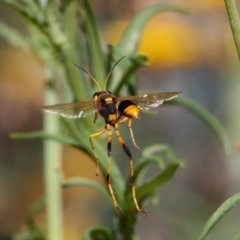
<point x="52" y="176"/>
<point x="234" y="22"/>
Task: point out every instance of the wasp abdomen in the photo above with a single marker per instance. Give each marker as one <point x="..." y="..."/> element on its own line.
<point x="128" y="109"/>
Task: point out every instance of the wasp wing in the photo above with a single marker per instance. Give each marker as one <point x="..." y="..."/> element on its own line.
<point x="152" y="100"/>
<point x="73" y="110"/>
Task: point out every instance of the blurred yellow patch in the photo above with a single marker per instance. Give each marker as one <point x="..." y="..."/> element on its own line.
<point x="170" y="44"/>
<point x="22" y="76"/>
<point x="165" y="43"/>
<point x="204" y="4"/>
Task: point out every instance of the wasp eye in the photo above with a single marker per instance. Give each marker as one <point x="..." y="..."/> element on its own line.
<point x="109" y="92"/>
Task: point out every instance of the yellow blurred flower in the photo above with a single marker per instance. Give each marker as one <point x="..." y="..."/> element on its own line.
<point x="165" y="43"/>
<point x="204" y="4"/>
<point x="170" y="44"/>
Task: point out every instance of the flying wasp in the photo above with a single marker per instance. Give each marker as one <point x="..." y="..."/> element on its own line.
<point x="115" y="111"/>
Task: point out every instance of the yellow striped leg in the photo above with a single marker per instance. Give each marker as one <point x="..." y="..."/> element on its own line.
<point x="128" y="153"/>
<point x="97" y="134"/>
<point x="131" y="131"/>
<point x="109" y="148"/>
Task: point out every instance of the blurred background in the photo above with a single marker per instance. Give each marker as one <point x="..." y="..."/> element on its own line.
<point x="193" y="53"/>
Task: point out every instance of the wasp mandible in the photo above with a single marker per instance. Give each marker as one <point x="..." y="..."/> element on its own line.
<point x="115" y="111"/>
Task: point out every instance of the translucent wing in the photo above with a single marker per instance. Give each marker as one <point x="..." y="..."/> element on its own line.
<point x="73" y="110"/>
<point x="147" y="101"/>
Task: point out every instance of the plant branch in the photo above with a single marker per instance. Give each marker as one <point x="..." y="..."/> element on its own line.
<point x="52" y="176"/>
<point x="234" y="22"/>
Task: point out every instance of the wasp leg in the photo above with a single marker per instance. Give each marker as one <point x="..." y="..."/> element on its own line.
<point x="109" y="148"/>
<point x="128" y="153"/>
<point x="131" y="131"/>
<point x="95" y="117"/>
<point x="97" y="134"/>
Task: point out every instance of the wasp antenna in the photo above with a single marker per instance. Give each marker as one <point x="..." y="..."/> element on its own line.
<point x="88" y="75"/>
<point x="105" y="83"/>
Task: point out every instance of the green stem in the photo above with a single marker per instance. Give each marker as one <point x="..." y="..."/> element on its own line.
<point x="234" y="22"/>
<point x="52" y="168"/>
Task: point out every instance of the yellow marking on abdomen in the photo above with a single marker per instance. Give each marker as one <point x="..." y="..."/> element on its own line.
<point x="131" y="111"/>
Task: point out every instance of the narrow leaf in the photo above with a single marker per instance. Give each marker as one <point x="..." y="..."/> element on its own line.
<point x="71" y="52"/>
<point x="221" y="211"/>
<point x="153" y="159"/>
<point x="36" y="207"/>
<point x="158" y="154"/>
<point x="86" y="183"/>
<point x="97" y="57"/>
<point x="46" y="136"/>
<point x="234" y="20"/>
<point x="23" y="12"/>
<point x="159" y="149"/>
<point x="33" y="21"/>
<point x="148" y="189"/>
<point x="134" y="31"/>
<point x="98" y="233"/>
<point x="206" y="117"/>
<point x="13" y="37"/>
<point x="129" y="216"/>
<point x="130" y="68"/>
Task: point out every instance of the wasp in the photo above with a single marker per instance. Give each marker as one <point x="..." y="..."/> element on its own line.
<point x="115" y="111"/>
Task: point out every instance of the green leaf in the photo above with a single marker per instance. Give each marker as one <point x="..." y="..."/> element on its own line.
<point x="80" y="144"/>
<point x="86" y="183"/>
<point x="234" y="20"/>
<point x="124" y="74"/>
<point x="36" y="207"/>
<point x="117" y="76"/>
<point x="71" y="52"/>
<point x="161" y="149"/>
<point x="130" y="66"/>
<point x="23" y="12"/>
<point x="132" y="35"/>
<point x="13" y="37"/>
<point x="206" y="117"/>
<point x="32" y="21"/>
<point x="149" y="188"/>
<point x="142" y="166"/>
<point x="46" y="136"/>
<point x="59" y="137"/>
<point x="96" y="54"/>
<point x="82" y="136"/>
<point x="98" y="233"/>
<point x="34" y="8"/>
<point x="32" y="232"/>
<point x="156" y="153"/>
<point x="221" y="211"/>
<point x="128" y="217"/>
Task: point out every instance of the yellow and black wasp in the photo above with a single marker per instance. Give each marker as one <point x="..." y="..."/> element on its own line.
<point x="115" y="111"/>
